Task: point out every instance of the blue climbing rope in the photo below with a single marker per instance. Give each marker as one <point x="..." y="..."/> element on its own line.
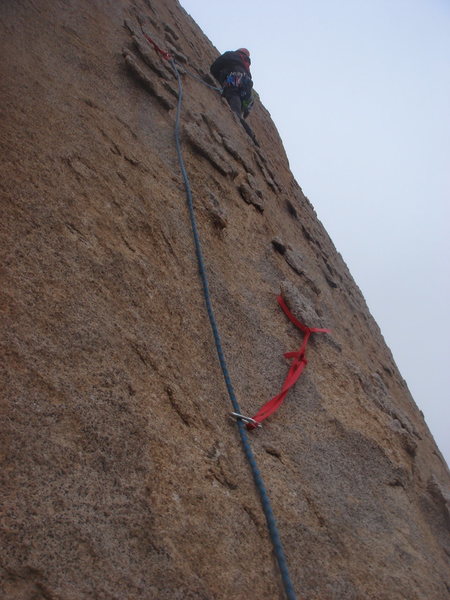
<point x="265" y="501"/>
<point x="211" y="87"/>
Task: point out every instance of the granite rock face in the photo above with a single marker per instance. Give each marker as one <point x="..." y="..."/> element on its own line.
<point x="122" y="473"/>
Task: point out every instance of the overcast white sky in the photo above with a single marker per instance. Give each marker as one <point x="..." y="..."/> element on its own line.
<point x="360" y="93"/>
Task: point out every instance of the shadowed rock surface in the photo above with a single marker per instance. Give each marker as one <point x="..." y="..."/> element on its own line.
<point x="122" y="474"/>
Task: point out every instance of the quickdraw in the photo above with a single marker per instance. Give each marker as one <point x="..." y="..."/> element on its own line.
<point x="296" y="369"/>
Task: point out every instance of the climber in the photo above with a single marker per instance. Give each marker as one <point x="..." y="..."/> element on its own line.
<point x="232" y="71"/>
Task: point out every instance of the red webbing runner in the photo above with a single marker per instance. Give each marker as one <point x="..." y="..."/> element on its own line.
<point x="298" y="364"/>
<point x="163" y="53"/>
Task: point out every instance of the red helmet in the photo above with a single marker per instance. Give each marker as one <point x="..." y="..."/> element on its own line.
<point x="244" y="51"/>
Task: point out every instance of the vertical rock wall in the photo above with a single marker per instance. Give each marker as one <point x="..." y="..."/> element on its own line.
<point x="122" y="474"/>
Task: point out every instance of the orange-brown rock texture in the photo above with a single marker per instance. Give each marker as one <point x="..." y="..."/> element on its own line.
<point x="123" y="475"/>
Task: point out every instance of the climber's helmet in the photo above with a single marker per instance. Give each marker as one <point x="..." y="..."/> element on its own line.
<point x="244" y="51"/>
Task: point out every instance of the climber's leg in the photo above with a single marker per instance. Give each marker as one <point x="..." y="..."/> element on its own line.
<point x="231" y="94"/>
<point x="235" y="104"/>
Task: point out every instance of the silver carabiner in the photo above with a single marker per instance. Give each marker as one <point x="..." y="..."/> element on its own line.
<point x="245" y="419"/>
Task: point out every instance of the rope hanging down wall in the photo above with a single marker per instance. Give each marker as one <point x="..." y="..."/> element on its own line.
<point x="265" y="501"/>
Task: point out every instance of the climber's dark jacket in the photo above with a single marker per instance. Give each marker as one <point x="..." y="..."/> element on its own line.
<point x="230" y="62"/>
